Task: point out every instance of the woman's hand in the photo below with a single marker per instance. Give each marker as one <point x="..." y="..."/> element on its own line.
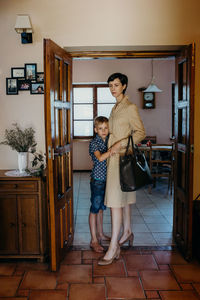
<point x="115" y="148"/>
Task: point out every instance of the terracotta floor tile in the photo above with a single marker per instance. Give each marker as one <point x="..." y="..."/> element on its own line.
<point x="115" y="269"/>
<point x="72" y="257"/>
<point x="186" y="286"/>
<point x="23" y="293"/>
<point x="14" y="298"/>
<point x="91" y="255"/>
<point x="158" y="280"/>
<point x="87" y="292"/>
<point x="169" y="257"/>
<point x="38" y="280"/>
<point x="62" y="286"/>
<point x="178" y="295"/>
<point x="87" y="261"/>
<point x="7" y="269"/>
<point x="163" y="267"/>
<point x="27" y="266"/>
<point x="48" y="295"/>
<point x="146" y="252"/>
<point x="187" y="273"/>
<point x="197" y="287"/>
<point x="151" y="294"/>
<point x="98" y="280"/>
<point x="75" y="274"/>
<point x="127" y="288"/>
<point x="140" y="262"/>
<point x="128" y="251"/>
<point x="19" y="272"/>
<point x="133" y="273"/>
<point x="9" y="285"/>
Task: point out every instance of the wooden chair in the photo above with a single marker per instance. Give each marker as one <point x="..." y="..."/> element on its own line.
<point x="161" y="158"/>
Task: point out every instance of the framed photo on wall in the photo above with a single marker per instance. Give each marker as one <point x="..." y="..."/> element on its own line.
<point x="24" y="85"/>
<point x="30" y="71"/>
<point x="40" y="77"/>
<point x="11" y="86"/>
<point x="18" y="73"/>
<point x="37" y="88"/>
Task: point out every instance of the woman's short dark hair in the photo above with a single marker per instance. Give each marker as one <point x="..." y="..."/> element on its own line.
<point x="122" y="77"/>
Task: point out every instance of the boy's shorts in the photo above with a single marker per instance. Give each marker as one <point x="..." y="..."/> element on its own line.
<point x="97" y="195"/>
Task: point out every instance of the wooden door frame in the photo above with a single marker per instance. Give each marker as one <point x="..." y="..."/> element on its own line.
<point x="124" y="54"/>
<point x="129" y="55"/>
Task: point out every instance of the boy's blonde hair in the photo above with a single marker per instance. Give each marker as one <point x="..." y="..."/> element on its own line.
<point x="100" y="120"/>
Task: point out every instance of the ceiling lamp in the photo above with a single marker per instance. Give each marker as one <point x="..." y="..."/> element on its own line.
<point x="152" y="87"/>
<point x="23" y="26"/>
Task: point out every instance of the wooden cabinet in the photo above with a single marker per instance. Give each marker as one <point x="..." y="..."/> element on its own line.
<point x="23" y="217"/>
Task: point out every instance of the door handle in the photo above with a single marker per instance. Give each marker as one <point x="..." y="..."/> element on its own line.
<point x="56" y="153"/>
<point x="52" y="153"/>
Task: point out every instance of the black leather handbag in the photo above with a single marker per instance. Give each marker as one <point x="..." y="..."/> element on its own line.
<point x="134" y="169"/>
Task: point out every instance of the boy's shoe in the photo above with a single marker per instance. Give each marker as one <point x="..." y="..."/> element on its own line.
<point x="96" y="247"/>
<point x="104" y="239"/>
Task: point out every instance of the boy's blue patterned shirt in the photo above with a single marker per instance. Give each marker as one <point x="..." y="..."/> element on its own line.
<point x="99" y="167"/>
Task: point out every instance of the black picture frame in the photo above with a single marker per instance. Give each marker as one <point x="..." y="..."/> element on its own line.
<point x="11" y="86"/>
<point x="30" y="71"/>
<point x="40" y="77"/>
<point x="37" y="88"/>
<point x="24" y="85"/>
<point x="18" y="72"/>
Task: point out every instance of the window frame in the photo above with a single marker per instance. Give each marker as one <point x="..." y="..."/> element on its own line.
<point x="94" y="86"/>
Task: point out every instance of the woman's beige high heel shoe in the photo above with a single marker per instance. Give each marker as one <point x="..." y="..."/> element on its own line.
<point x="129" y="239"/>
<point x="105" y="262"/>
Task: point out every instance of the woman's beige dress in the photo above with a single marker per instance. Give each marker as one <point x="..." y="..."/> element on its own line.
<point x="124" y="119"/>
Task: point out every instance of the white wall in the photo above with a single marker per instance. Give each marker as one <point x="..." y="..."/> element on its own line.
<point x="89" y="23"/>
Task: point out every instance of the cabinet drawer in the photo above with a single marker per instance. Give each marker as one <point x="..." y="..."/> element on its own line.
<point x="21" y="185"/>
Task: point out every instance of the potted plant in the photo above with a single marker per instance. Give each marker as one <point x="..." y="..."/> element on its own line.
<point x="23" y="141"/>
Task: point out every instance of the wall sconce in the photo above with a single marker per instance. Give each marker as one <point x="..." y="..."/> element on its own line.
<point x="23" y="26"/>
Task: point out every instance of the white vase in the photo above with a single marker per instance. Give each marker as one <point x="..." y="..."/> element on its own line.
<point x="22" y="161"/>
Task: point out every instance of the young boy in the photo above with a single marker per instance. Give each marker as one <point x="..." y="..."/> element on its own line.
<point x="99" y="154"/>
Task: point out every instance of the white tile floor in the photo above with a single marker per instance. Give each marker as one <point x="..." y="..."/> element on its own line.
<point x="151" y="218"/>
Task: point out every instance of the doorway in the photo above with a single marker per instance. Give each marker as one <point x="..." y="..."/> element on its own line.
<point x="184" y="130"/>
<point x="152" y="215"/>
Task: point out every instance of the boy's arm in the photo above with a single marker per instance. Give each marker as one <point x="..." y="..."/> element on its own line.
<point x="102" y="156"/>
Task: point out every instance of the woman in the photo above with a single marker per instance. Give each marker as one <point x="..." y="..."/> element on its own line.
<point x="123" y="120"/>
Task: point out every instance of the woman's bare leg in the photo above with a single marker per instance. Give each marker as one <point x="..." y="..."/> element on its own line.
<point x="126" y="223"/>
<point x="94" y="244"/>
<point x="116" y="217"/>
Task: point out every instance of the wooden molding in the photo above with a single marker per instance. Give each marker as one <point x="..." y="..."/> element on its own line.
<point x="123" y="54"/>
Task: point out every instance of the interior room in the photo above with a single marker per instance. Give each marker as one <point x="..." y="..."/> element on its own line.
<point x="152" y="216"/>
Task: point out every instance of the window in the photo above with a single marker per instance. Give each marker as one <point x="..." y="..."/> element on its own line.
<point x="89" y="101"/>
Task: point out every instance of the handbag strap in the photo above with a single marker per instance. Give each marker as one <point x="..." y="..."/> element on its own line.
<point x="130" y="139"/>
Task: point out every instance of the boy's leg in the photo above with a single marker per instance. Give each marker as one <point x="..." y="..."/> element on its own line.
<point x="94" y="209"/>
<point x="100" y="233"/>
<point x="93" y="226"/>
